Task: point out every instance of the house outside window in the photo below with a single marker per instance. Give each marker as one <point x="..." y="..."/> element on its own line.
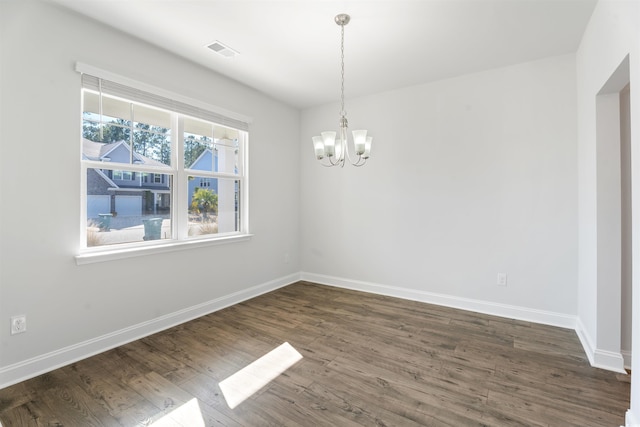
<point x="156" y="175"/>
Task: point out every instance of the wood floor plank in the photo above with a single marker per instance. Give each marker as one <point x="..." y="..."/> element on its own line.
<point x="28" y="414"/>
<point x="71" y="404"/>
<point x="159" y="361"/>
<point x="368" y="360"/>
<point x="558" y="403"/>
<point x="316" y="409"/>
<point x="143" y="413"/>
<point x="420" y="400"/>
<point x="16" y="396"/>
<point x="206" y="390"/>
<point x="103" y="389"/>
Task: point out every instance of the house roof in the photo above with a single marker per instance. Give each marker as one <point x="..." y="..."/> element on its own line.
<point x="108" y="180"/>
<point x="100" y="151"/>
<point x="92" y="150"/>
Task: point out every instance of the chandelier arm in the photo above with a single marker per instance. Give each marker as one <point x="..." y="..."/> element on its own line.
<point x="328" y="162"/>
<point x="347" y="152"/>
<point x="334" y="163"/>
<point x="361" y="161"/>
<point x="357" y="163"/>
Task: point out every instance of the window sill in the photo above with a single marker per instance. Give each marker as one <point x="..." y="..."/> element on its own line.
<point x="115" y="254"/>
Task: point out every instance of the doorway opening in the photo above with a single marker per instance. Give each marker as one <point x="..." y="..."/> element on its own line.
<point x="614" y="232"/>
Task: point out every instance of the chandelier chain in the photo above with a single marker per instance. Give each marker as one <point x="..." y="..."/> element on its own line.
<point x="342" y="112"/>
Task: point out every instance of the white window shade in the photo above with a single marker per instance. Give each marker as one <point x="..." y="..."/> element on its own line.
<point x="198" y="127"/>
<point x="99" y="81"/>
<point x="117" y="108"/>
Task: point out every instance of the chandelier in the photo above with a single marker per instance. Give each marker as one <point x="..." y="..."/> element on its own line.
<point x="325" y="146"/>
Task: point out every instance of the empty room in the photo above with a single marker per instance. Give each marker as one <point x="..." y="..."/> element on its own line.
<point x="337" y="213"/>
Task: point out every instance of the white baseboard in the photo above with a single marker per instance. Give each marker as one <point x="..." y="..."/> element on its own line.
<point x="585" y="340"/>
<point x="30" y="368"/>
<point x="626" y="356"/>
<point x="609" y="360"/>
<point x="479" y="306"/>
<point x="598" y="358"/>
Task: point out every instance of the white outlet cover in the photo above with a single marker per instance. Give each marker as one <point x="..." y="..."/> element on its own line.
<point x="18" y="324"/>
<point x="502" y="279"/>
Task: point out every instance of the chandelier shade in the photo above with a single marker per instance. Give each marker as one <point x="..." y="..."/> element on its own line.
<point x="334" y="152"/>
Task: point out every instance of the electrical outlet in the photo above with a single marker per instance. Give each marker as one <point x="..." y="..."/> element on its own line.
<point x="286" y="258"/>
<point x="502" y="279"/>
<point x="18" y="324"/>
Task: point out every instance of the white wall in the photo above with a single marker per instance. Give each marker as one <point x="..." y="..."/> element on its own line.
<point x="612" y="34"/>
<point x="469" y="177"/>
<point x="69" y="307"/>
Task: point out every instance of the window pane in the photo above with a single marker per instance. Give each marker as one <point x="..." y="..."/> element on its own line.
<point x="152" y="135"/>
<point x="227" y="156"/>
<point x="150" y="148"/>
<point x="152" y="145"/>
<point x="95" y="130"/>
<point x="200" y="154"/>
<point x="197" y="152"/>
<point x="118" y="213"/>
<point x="91" y="130"/>
<point x="210" y="147"/>
<point x="113" y="126"/>
<point x="213" y="205"/>
<point x="198" y="144"/>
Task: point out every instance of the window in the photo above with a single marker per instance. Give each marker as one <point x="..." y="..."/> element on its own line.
<point x="156" y="169"/>
<point x="123" y="175"/>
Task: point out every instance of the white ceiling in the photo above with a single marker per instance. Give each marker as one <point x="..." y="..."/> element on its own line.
<point x="290" y="50"/>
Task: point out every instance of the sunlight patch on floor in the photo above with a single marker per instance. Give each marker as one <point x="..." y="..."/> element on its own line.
<point x="259" y="373"/>
<point x="188" y="414"/>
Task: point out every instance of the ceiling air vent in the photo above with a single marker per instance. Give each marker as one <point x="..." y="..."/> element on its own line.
<point x="223" y="50"/>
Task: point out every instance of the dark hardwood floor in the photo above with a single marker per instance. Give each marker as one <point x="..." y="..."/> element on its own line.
<point x="367" y="360"/>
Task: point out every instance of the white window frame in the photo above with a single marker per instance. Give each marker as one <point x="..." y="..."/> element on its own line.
<point x="179" y="239"/>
